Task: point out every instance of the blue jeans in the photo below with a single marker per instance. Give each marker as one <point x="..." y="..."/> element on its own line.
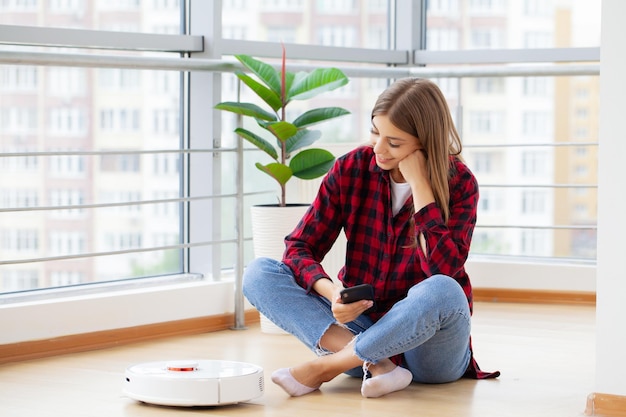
<point x="430" y="327"/>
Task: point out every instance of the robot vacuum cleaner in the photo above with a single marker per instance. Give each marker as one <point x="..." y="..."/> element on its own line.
<point x="191" y="383"/>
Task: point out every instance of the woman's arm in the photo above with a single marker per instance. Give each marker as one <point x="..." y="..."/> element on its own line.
<point x="445" y="246"/>
<point x="307" y="245"/>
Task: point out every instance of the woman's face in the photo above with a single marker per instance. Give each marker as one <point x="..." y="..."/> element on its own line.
<point x="391" y="144"/>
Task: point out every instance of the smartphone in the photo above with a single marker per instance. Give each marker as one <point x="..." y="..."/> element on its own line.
<point x="357" y="293"/>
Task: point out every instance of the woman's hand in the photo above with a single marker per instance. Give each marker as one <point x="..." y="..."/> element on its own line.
<point x="413" y="168"/>
<point x="345" y="313"/>
<point x="415" y="171"/>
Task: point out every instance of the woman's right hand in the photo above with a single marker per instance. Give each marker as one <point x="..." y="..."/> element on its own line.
<point x="345" y="313"/>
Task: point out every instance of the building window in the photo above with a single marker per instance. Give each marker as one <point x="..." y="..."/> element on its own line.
<point x="442" y="39"/>
<point x="489" y="85"/>
<point x="486" y="122"/>
<point x="537" y="87"/>
<point x="337" y="36"/>
<point x="534" y="163"/>
<point x="120" y="163"/>
<point x="537" y="124"/>
<point x="533" y="202"/>
<point x="67" y="166"/>
<point x="63" y="242"/>
<point x="18" y="79"/>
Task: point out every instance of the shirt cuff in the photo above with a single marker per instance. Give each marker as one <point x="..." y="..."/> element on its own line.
<point x="428" y="216"/>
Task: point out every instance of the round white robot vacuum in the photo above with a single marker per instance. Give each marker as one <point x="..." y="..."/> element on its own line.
<point x="191" y="383"/>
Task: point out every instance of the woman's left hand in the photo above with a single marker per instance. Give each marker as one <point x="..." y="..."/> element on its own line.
<point x="415" y="171"/>
<point x="413" y="168"/>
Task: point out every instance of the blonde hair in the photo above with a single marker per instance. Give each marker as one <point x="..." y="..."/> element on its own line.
<point x="418" y="107"/>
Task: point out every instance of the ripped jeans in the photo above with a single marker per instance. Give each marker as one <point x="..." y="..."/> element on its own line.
<point x="430" y="327"/>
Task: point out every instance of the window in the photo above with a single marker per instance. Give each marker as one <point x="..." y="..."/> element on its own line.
<point x="533" y="202"/>
<point x="336" y="6"/>
<point x="537" y="8"/>
<point x="443" y="7"/>
<point x="485" y="38"/>
<point x="536" y="124"/>
<point x="132" y="120"/>
<point x="486" y="7"/>
<point x="281" y="34"/>
<point x="66" y="242"/>
<point x="538" y="40"/>
<point x="67" y="197"/>
<point x="120" y="119"/>
<point x="535" y="163"/>
<point x="537" y="87"/>
<point x="343" y="23"/>
<point x="20" y="239"/>
<point x="68" y="122"/>
<point x="489" y="85"/>
<point x="120" y="163"/>
<point x="63" y="166"/>
<point x="18" y="78"/>
<point x="115" y="140"/>
<point x="534" y="243"/>
<point x="444" y="39"/>
<point x="18" y="197"/>
<point x="481" y="162"/>
<point x="337" y="36"/>
<point x="67" y="82"/>
<point x="486" y="122"/>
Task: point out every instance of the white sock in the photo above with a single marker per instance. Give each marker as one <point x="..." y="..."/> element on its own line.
<point x="377" y="386"/>
<point x="286" y="381"/>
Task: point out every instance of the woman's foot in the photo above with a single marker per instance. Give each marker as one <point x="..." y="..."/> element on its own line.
<point x="286" y="381"/>
<point x="397" y="379"/>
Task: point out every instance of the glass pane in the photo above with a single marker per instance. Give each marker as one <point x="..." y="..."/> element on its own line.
<point x="347" y="23"/>
<point x="151" y="16"/>
<point x="500" y="24"/>
<point x="73" y="113"/>
<point x="532" y="144"/>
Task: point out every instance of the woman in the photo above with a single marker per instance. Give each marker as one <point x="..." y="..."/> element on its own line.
<point x="407" y="204"/>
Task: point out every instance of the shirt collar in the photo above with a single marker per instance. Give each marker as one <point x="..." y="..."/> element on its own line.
<point x="374" y="168"/>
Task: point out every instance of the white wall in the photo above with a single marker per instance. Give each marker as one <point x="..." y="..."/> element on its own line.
<point x="611" y="273"/>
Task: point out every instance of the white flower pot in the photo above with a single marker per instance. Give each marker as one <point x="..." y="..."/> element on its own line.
<point x="270" y="225"/>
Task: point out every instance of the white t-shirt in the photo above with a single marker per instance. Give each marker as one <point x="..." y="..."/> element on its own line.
<point x="399" y="193"/>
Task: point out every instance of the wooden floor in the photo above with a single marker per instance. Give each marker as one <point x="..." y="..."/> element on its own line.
<point x="545" y="353"/>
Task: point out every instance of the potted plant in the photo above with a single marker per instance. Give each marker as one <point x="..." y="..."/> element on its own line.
<point x="284" y="140"/>
<point x="278" y="90"/>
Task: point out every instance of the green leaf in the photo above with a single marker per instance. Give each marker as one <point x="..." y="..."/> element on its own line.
<point x="258" y="141"/>
<point x="246" y="109"/>
<point x="281" y="173"/>
<point x="314" y="116"/>
<point x="303" y="138"/>
<point x="270" y="97"/>
<point x="281" y="130"/>
<point x="266" y="73"/>
<point x="316" y="82"/>
<point x="311" y="163"/>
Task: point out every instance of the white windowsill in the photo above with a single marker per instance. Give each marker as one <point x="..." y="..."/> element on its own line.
<point x="184" y="297"/>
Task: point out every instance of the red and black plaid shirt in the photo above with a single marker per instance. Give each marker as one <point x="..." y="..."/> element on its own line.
<point x="355" y="196"/>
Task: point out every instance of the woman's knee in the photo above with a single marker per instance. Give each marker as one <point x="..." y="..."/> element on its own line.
<point x="260" y="274"/>
<point x="254" y="274"/>
<point x="438" y="289"/>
